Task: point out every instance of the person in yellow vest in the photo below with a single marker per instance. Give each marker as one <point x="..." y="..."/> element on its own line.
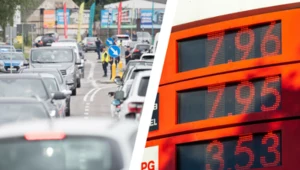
<point x="105" y="59"/>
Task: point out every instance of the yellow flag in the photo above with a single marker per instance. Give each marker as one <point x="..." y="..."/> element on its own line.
<point x="80" y="15"/>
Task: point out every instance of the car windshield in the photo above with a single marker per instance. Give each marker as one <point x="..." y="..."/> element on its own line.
<point x="13" y="56"/>
<point x="11" y="87"/>
<point x="11" y="112"/>
<point x="143" y="47"/>
<point x="72" y="153"/>
<point x="55" y="73"/>
<point x="136" y="71"/>
<point x="7" y="49"/>
<point x="143" y="86"/>
<point x="52" y="56"/>
<point x="51" y="85"/>
<point x="143" y="34"/>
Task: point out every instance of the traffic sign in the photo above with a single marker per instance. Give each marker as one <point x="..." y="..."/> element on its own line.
<point x="114" y="51"/>
<point x="109" y="41"/>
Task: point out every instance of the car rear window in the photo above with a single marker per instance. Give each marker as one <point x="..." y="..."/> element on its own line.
<point x="136" y="71"/>
<point x="143" y="86"/>
<point x="143" y="47"/>
<point x="148" y="57"/>
<point x="72" y="153"/>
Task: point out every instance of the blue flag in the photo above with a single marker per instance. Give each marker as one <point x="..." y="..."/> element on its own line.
<point x="91" y="23"/>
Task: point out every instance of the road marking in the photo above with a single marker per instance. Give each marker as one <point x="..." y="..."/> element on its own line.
<point x="87" y="104"/>
<point x="86" y="110"/>
<point x="93" y="95"/>
<point x="87" y="94"/>
<point x="86" y="113"/>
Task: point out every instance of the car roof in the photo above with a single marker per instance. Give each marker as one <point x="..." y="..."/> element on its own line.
<point x="142" y="67"/>
<point x="139" y="61"/>
<point x="6" y="46"/>
<point x="147" y="54"/>
<point x="21" y="76"/>
<point x="16" y="100"/>
<point x="12" y="53"/>
<point x="144" y="73"/>
<point x="92" y="127"/>
<point x="42" y="69"/>
<point x="51" y="47"/>
<point x="47" y="75"/>
<point x="64" y="43"/>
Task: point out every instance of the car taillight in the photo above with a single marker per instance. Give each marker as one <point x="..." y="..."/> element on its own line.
<point x="136" y="50"/>
<point x="135" y="107"/>
<point x="45" y="136"/>
<point x="119" y="106"/>
<point x="90" y="43"/>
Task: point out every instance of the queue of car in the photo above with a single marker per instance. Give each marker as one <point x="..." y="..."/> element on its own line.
<point x="35" y="101"/>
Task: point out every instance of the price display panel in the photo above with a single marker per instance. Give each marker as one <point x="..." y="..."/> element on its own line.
<point x="230" y="45"/>
<point x="268" y="146"/>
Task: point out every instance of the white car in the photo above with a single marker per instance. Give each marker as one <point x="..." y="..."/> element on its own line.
<point x="73" y="143"/>
<point x="126" y="41"/>
<point x="147" y="56"/>
<point x="76" y="47"/>
<point x="132" y="104"/>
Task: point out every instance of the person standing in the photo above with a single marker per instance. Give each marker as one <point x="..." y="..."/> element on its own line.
<point x="105" y="60"/>
<point x="127" y="55"/>
<point x="134" y="36"/>
<point x="127" y="33"/>
<point x="98" y="45"/>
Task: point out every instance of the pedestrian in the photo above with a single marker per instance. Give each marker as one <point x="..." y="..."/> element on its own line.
<point x="105" y="60"/>
<point x="98" y="45"/>
<point x="134" y="36"/>
<point x="127" y="33"/>
<point x="127" y="55"/>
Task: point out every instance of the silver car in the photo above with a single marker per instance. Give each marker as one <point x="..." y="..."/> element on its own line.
<point x="67" y="144"/>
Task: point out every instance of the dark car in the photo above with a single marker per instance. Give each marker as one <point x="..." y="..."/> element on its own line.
<point x="29" y="85"/>
<point x="14" y="109"/>
<point x="49" y="38"/>
<point x="138" y="50"/>
<point x="89" y="44"/>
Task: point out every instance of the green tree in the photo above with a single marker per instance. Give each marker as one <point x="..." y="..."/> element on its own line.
<point x="8" y="8"/>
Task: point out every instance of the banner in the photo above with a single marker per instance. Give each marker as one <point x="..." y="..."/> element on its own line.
<point x="65" y="21"/>
<point x="80" y="17"/>
<point x="72" y="18"/>
<point x="146" y="18"/>
<point x="91" y="23"/>
<point x="111" y="21"/>
<point x="120" y="17"/>
<point x="49" y="18"/>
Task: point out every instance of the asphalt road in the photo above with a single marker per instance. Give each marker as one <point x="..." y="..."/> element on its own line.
<point x="92" y="98"/>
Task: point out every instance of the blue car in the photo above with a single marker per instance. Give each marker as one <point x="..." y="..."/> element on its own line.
<point x="12" y="61"/>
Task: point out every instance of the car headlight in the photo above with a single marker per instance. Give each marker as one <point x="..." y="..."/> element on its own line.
<point x="1" y="63"/>
<point x="70" y="70"/>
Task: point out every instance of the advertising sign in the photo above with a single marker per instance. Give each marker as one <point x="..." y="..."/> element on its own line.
<point x="72" y="18"/>
<point x="154" y="119"/>
<point x="147" y="20"/>
<point x="128" y="19"/>
<point x="150" y="158"/>
<point x="49" y="18"/>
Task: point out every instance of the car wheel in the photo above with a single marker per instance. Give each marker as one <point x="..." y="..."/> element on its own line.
<point x="68" y="110"/>
<point x="78" y="83"/>
<point x="74" y="92"/>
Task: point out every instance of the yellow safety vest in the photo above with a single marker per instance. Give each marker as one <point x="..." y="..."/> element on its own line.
<point x="105" y="59"/>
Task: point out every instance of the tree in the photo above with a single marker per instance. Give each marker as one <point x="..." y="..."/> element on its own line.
<point x="8" y="8"/>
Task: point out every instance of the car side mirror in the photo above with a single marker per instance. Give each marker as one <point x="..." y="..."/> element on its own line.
<point x="119" y="95"/>
<point x="78" y="63"/>
<point x="59" y="96"/>
<point x="118" y="80"/>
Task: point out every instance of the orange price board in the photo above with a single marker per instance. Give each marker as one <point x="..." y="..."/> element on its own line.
<point x="228" y="95"/>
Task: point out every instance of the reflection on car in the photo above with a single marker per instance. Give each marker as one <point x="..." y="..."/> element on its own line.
<point x="12" y="61"/>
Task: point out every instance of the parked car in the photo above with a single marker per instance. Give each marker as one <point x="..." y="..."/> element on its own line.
<point x="133" y="63"/>
<point x="89" y="44"/>
<point x="78" y="51"/>
<point x="67" y="144"/>
<point x="148" y="56"/>
<point x="62" y="58"/>
<point x="126" y="41"/>
<point x="63" y="87"/>
<point x="144" y="37"/>
<point x="49" y="38"/>
<point x="67" y="40"/>
<point x="132" y="73"/>
<point x="138" y="50"/>
<point x="29" y="85"/>
<point x="132" y="104"/>
<point x="12" y="61"/>
<point x="15" y="109"/>
<point x="7" y="48"/>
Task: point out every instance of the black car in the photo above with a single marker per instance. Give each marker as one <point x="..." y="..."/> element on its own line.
<point x="138" y="50"/>
<point x="49" y="38"/>
<point x="30" y="86"/>
<point x="14" y="109"/>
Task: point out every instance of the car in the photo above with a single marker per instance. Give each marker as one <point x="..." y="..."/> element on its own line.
<point x="7" y="48"/>
<point x="138" y="50"/>
<point x="89" y="44"/>
<point x="68" y="144"/>
<point x="12" y="61"/>
<point x="67" y="40"/>
<point x="132" y="104"/>
<point x="53" y="86"/>
<point x="29" y="85"/>
<point x="79" y="52"/>
<point x="49" y="38"/>
<point x="15" y="109"/>
<point x="148" y="56"/>
<point x="126" y="41"/>
<point x="144" y="37"/>
<point x="133" y="63"/>
<point x="132" y="73"/>
<point x="62" y="58"/>
<point x="60" y="80"/>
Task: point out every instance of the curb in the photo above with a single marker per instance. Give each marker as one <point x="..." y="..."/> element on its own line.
<point x="105" y="82"/>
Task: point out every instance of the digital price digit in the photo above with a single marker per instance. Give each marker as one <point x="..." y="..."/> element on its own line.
<point x="242" y="46"/>
<point x="266" y="90"/>
<point x="246" y="101"/>
<point x="217" y="156"/>
<point x="271" y="149"/>
<point x="220" y="91"/>
<point x="269" y="37"/>
<point x="243" y="149"/>
<point x="219" y="37"/>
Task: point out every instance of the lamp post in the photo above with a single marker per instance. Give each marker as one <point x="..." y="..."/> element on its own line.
<point x="152" y="22"/>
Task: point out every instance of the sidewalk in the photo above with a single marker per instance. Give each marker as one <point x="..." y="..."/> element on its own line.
<point x="106" y="80"/>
